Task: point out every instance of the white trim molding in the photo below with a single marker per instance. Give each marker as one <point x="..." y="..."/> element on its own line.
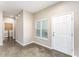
<point x="33" y="42"/>
<point x="20" y="43"/>
<point x="28" y="43"/>
<point x="24" y="44"/>
<point x="42" y="45"/>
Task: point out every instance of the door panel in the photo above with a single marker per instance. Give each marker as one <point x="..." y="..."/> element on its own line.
<point x="62" y="30"/>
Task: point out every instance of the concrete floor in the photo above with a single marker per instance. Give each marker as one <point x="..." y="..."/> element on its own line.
<point x="13" y="49"/>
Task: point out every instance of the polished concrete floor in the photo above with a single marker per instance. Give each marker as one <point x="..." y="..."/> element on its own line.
<point x="13" y="49"/>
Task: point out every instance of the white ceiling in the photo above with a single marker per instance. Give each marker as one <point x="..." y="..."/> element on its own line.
<point x="12" y="8"/>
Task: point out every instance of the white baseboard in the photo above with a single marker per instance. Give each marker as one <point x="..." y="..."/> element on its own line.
<point x="33" y="42"/>
<point x="28" y="43"/>
<point x="23" y="44"/>
<point x="20" y="43"/>
<point x="42" y="45"/>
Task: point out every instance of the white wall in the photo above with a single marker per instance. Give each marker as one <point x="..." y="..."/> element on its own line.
<point x="24" y="28"/>
<point x="1" y="28"/>
<point x="27" y="27"/>
<point x="19" y="28"/>
<point x="57" y="10"/>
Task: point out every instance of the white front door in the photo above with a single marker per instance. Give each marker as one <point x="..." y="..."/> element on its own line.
<point x="63" y="33"/>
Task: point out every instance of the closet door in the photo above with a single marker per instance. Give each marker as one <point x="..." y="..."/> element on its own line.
<point x="62" y="33"/>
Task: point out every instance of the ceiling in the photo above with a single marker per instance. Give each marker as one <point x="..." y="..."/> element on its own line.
<point x="11" y="8"/>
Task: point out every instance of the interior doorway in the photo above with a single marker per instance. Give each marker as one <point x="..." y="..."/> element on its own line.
<point x="9" y="31"/>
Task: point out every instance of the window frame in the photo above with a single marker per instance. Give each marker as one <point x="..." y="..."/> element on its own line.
<point x="40" y="37"/>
